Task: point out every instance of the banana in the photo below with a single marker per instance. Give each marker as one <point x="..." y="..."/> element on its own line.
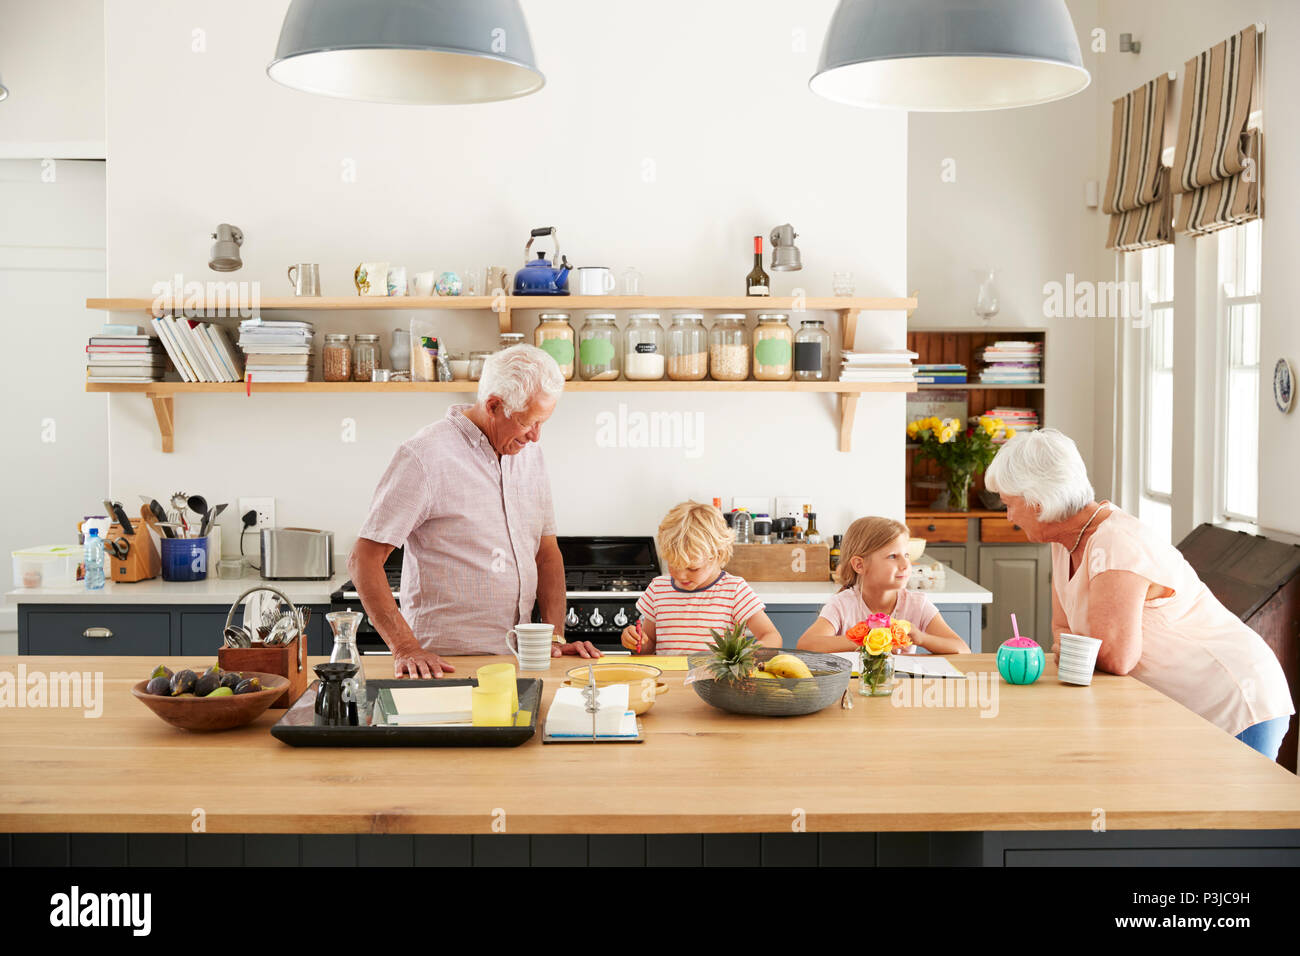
<point x="787" y="665"/>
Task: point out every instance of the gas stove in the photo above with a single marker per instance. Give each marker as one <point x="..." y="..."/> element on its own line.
<point x="603" y="577"/>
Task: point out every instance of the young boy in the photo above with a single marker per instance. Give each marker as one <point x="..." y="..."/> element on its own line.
<point x="679" y="608"/>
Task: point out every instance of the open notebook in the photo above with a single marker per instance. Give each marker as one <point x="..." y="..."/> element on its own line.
<point x="911" y="665"/>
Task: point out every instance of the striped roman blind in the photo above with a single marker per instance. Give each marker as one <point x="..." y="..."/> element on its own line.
<point x="1137" y="195"/>
<point x="1218" y="162"/>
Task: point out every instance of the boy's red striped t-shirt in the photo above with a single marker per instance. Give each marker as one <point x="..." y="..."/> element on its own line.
<point x="682" y="618"/>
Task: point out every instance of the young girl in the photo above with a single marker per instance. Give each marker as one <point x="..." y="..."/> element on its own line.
<point x="873" y="573"/>
<point x="678" y="608"/>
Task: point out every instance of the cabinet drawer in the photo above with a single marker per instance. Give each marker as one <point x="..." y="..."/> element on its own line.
<point x="99" y="632"/>
<point x="1001" y="530"/>
<point x="938" y="529"/>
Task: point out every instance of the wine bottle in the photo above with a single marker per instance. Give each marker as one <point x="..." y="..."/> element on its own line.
<point x="756" y="283"/>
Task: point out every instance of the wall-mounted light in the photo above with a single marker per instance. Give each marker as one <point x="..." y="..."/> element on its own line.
<point x="225" y="251"/>
<point x="785" y="254"/>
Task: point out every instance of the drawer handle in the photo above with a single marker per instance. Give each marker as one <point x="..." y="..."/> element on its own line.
<point x="1016" y="527"/>
<point x="931" y="528"/>
<point x="96" y="632"/>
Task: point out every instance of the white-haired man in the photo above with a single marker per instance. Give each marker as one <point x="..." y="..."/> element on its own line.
<point x="469" y="498"/>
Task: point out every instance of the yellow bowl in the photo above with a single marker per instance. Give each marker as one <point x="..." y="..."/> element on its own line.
<point x="915" y="548"/>
<point x="643" y="680"/>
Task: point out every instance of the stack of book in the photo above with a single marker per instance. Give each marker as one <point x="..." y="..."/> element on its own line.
<point x="124" y="354"/>
<point x="890" y="365"/>
<point x="1021" y="419"/>
<point x="201" y="351"/>
<point x="1012" y="363"/>
<point x="276" y="351"/>
<point x="952" y="374"/>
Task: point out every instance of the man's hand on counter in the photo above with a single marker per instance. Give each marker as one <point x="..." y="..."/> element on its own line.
<point x="576" y="649"/>
<point x="412" y="660"/>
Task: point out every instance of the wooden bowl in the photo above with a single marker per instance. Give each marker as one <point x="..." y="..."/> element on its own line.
<point x="215" y="713"/>
<point x="643" y="680"/>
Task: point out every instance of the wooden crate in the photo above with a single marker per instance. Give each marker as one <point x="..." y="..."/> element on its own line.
<point x="282" y="659"/>
<point x="781" y="562"/>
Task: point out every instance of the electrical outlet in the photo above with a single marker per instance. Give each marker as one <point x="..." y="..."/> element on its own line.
<point x="265" y="508"/>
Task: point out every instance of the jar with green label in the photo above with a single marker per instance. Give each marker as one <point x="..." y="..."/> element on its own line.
<point x="643" y="351"/>
<point x="554" y="336"/>
<point x="598" y="359"/>
<point x="773" y="348"/>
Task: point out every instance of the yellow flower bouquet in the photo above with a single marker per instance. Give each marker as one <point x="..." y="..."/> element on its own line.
<point x="962" y="453"/>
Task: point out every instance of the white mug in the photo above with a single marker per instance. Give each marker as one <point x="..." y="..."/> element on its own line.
<point x="422" y="283"/>
<point x="397" y="280"/>
<point x="532" y="646"/>
<point x="594" y="280"/>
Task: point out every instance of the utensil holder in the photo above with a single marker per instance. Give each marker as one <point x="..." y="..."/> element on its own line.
<point x="184" y="559"/>
<point x="287" y="660"/>
<point x="141" y="562"/>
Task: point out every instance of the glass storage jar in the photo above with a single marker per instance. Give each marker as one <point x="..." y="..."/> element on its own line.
<point x="812" y="352"/>
<point x="476" y="360"/>
<point x="773" y="347"/>
<point x="729" y="348"/>
<point x="336" y="357"/>
<point x="554" y="336"/>
<point x="365" y="356"/>
<point x="643" y="352"/>
<point x="598" y="348"/>
<point x="688" y="347"/>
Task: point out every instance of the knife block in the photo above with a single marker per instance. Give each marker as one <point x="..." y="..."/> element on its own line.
<point x="142" y="563"/>
<point x="282" y="659"/>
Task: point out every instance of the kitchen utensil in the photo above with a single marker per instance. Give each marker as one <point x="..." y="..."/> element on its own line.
<point x="288" y="661"/>
<point x="198" y="504"/>
<point x="539" y="277"/>
<point x="305" y="278"/>
<point x="215" y="713"/>
<point x="118" y="548"/>
<point x="119" y="515"/>
<point x="211" y="518"/>
<point x="283" y="631"/>
<point x="236" y="635"/>
<point x="161" y="515"/>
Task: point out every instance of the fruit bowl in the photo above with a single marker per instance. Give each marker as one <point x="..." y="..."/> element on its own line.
<point x="215" y="713"/>
<point x="778" y="696"/>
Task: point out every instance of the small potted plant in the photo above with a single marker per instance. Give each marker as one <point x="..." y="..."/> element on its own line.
<point x="962" y="454"/>
<point x="878" y="637"/>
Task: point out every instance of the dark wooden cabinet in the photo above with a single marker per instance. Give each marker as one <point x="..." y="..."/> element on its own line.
<point x="1258" y="579"/>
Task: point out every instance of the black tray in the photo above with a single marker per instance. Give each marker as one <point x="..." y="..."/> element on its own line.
<point x="298" y="725"/>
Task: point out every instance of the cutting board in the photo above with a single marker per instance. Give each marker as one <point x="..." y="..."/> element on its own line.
<point x="781" y="562"/>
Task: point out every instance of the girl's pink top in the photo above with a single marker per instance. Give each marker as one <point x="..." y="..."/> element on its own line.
<point x="847" y="608"/>
<point x="1194" y="649"/>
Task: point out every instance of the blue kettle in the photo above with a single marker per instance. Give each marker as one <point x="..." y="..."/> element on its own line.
<point x="538" y="276"/>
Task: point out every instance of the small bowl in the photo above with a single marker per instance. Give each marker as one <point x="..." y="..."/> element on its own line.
<point x="644" y="685"/>
<point x="915" y="548"/>
<point x="216" y="713"/>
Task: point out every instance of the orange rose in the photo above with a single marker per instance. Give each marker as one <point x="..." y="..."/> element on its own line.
<point x="857" y="634"/>
<point x="899" y="633"/>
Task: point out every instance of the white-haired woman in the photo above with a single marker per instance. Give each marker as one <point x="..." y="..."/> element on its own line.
<point x="469" y="500"/>
<point x="1113" y="579"/>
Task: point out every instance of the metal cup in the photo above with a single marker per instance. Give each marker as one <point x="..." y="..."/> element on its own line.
<point x="305" y="277"/>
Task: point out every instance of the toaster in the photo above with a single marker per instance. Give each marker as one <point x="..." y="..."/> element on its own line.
<point x="297" y="554"/>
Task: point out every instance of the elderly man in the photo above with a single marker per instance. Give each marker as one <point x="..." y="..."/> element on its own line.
<point x="469" y="498"/>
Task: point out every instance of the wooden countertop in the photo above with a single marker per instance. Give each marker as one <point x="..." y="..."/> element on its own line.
<point x="1051" y="758"/>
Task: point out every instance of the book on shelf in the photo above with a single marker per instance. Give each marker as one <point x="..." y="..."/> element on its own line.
<point x="290" y="359"/>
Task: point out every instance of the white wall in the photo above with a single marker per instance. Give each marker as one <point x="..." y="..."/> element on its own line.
<point x="52" y="61"/>
<point x="1017" y="206"/>
<point x="715" y="102"/>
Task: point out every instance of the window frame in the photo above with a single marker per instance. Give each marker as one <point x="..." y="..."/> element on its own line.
<point x="1223" y="365"/>
<point x="1146" y="331"/>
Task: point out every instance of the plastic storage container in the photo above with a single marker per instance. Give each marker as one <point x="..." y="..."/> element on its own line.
<point x="47" y="566"/>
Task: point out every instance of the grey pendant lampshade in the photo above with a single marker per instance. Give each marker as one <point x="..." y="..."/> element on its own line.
<point x="948" y="55"/>
<point x="407" y="51"/>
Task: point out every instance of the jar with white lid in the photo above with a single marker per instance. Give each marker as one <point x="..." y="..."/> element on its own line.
<point x="688" y="352"/>
<point x="365" y="356"/>
<point x="643" y="352"/>
<point x="729" y="348"/>
<point x="336" y="357"/>
<point x="812" y="352"/>
<point x="598" y="348"/>
<point x="773" y="348"/>
<point x="554" y="336"/>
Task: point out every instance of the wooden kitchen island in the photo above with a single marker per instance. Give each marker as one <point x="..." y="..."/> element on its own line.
<point x="1113" y="773"/>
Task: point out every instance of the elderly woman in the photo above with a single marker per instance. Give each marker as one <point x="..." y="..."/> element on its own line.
<point x="1113" y="579"/>
<point x="469" y="498"/>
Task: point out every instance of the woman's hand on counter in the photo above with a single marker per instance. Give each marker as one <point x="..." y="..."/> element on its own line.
<point x="576" y="649"/>
<point x="412" y="660"/>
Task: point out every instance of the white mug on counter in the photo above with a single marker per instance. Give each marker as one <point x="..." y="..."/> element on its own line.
<point x="422" y="283"/>
<point x="532" y="646"/>
<point x="1078" y="658"/>
<point x="593" y="280"/>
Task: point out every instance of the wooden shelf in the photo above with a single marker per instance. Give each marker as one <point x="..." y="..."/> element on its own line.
<point x="162" y="394"/>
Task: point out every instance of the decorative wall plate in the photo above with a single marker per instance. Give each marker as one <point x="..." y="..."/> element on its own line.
<point x="1283" y="385"/>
